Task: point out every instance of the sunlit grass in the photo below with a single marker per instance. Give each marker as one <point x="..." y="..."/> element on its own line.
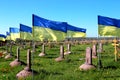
<point x="48" y="69"/>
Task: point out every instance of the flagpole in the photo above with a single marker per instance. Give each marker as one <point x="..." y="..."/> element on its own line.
<point x="32" y="44"/>
<point x="20" y="39"/>
<point x="99" y="54"/>
<point x="10" y="43"/>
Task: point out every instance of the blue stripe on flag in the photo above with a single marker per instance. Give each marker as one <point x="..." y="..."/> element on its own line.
<point x="55" y="25"/>
<point x="73" y="28"/>
<point x="25" y="28"/>
<point x="14" y="30"/>
<point x="2" y="35"/>
<point x="108" y="21"/>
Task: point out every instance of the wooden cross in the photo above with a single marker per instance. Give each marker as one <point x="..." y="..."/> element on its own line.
<point x="115" y="48"/>
<point x="102" y="41"/>
<point x="94" y="41"/>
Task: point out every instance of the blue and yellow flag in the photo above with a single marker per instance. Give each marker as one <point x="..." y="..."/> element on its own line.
<point x="25" y="32"/>
<point x="14" y="33"/>
<point x="46" y="29"/>
<point x="2" y="37"/>
<point x="73" y="32"/>
<point x="108" y="27"/>
<point x="7" y="35"/>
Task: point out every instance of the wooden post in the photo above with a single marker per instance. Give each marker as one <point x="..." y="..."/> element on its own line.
<point x="61" y="57"/>
<point x="7" y="47"/>
<point x="18" y="53"/>
<point x="43" y="48"/>
<point x="88" y="60"/>
<point x="61" y="51"/>
<point x="11" y="49"/>
<point x="33" y="46"/>
<point x="68" y="49"/>
<point x="115" y="48"/>
<point x="88" y="56"/>
<point x="94" y="42"/>
<point x="29" y="59"/>
<point x="17" y="61"/>
<point x="100" y="47"/>
<point x="94" y="51"/>
<point x="27" y="70"/>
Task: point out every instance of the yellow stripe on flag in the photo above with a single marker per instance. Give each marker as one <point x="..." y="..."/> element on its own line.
<point x="25" y="35"/>
<point x="14" y="36"/>
<point x="2" y="39"/>
<point x="8" y="37"/>
<point x="75" y="34"/>
<point x="41" y="33"/>
<point x="107" y="30"/>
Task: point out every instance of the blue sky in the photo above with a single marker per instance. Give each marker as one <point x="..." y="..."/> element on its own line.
<point x="80" y="13"/>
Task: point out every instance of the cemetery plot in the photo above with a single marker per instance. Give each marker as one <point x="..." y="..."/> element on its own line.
<point x="47" y="68"/>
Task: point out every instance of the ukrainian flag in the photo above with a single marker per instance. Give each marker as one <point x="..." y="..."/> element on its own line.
<point x="73" y="32"/>
<point x="25" y="32"/>
<point x="2" y="37"/>
<point x="14" y="33"/>
<point x="108" y="26"/>
<point x="44" y="29"/>
<point x="7" y="35"/>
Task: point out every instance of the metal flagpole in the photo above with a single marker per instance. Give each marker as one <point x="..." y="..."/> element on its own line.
<point x="99" y="56"/>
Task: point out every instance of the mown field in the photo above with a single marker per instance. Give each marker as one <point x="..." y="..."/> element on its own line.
<point x="48" y="69"/>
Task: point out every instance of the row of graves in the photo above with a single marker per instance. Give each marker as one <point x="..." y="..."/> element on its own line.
<point x="91" y="52"/>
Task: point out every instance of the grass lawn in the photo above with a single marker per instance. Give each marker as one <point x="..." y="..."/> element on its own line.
<point x="48" y="69"/>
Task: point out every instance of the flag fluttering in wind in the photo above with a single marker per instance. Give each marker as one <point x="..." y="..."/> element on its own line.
<point x="25" y="32"/>
<point x="2" y="37"/>
<point x="7" y="35"/>
<point x="14" y="33"/>
<point x="47" y="29"/>
<point x="108" y="26"/>
<point x="73" y="31"/>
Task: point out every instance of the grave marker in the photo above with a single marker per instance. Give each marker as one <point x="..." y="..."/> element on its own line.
<point x="68" y="49"/>
<point x="27" y="70"/>
<point x="61" y="57"/>
<point x="33" y="47"/>
<point x="17" y="61"/>
<point x="10" y="54"/>
<point x="43" y="50"/>
<point x="88" y="60"/>
<point x="115" y="48"/>
<point x="100" y="47"/>
<point x="6" y="52"/>
<point x="94" y="51"/>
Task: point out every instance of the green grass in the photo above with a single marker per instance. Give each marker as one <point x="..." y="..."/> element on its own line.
<point x="48" y="69"/>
